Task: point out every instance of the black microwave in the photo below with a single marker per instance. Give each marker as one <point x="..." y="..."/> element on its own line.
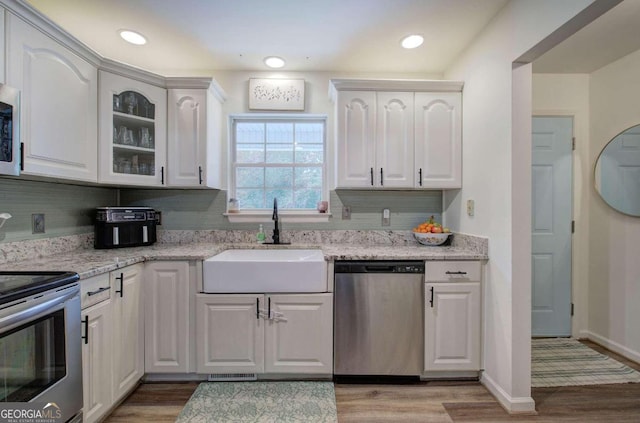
<point x="117" y="227"/>
<point x="10" y="147"/>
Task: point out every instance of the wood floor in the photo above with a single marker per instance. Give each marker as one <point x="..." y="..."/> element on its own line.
<point x="423" y="402"/>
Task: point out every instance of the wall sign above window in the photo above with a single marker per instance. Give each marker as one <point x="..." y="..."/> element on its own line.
<point x="276" y="94"/>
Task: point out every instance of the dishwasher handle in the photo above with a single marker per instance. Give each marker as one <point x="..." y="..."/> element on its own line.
<point x="372" y="268"/>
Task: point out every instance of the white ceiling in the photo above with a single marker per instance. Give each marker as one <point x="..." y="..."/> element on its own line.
<point x="191" y="36"/>
<point x="607" y="39"/>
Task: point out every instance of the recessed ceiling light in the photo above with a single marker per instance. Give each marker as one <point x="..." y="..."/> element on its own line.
<point x="412" y="41"/>
<point x="274" y="62"/>
<point x="133" y="37"/>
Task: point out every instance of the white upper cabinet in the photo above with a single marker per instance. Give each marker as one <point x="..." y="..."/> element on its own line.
<point x="133" y="132"/>
<point x="394" y="140"/>
<point x="194" y="148"/>
<point x="398" y="134"/>
<point x="438" y="140"/>
<point x="59" y="100"/>
<point x="356" y="113"/>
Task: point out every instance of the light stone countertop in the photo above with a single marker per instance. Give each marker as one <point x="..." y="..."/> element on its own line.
<point x="89" y="262"/>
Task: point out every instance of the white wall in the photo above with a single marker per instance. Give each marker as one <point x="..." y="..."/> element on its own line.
<point x="492" y="172"/>
<point x="236" y="85"/>
<point x="568" y="95"/>
<point x="614" y="247"/>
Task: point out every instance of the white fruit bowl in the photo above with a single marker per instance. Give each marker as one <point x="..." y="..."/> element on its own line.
<point x="431" y="239"/>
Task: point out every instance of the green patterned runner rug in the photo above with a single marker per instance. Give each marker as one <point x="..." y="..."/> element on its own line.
<point x="567" y="362"/>
<point x="269" y="402"/>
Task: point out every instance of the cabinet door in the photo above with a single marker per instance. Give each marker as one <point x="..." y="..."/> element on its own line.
<point x="438" y="140"/>
<point x="187" y="141"/>
<point x="97" y="361"/>
<point x="394" y="140"/>
<point x="166" y="309"/>
<point x="59" y="102"/>
<point x="452" y="326"/>
<point x="133" y="126"/>
<point x="230" y="332"/>
<point x="299" y="335"/>
<point x="128" y="329"/>
<point x="355" y="139"/>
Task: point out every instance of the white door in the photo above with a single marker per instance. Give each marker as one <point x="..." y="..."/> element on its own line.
<point x="187" y="143"/>
<point x="166" y="310"/>
<point x="438" y="140"/>
<point x="551" y="226"/>
<point x="59" y="95"/>
<point x="97" y="354"/>
<point x="394" y="140"/>
<point x="299" y="335"/>
<point x="452" y="326"/>
<point x="356" y="114"/>
<point x="128" y="329"/>
<point x="230" y="332"/>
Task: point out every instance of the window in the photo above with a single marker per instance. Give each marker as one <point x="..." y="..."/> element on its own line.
<point x="278" y="157"/>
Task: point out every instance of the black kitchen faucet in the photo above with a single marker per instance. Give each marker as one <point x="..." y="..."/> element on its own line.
<point x="276" y="231"/>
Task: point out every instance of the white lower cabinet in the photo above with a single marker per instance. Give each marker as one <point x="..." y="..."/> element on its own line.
<point x="112" y="339"/>
<point x="255" y="333"/>
<point x="128" y="329"/>
<point x="452" y="316"/>
<point x="97" y="350"/>
<point x="299" y="335"/>
<point x="167" y="334"/>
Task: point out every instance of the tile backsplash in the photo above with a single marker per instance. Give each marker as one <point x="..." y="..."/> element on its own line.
<point x="203" y="209"/>
<point x="68" y="209"/>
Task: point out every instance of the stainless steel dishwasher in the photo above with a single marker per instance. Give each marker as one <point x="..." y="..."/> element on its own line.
<point x="378" y="325"/>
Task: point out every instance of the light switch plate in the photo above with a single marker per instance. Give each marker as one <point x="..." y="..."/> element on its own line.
<point x="37" y="223"/>
<point x="386" y="217"/>
<point x="471" y="207"/>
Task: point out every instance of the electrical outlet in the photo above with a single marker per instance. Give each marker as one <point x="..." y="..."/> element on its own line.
<point x="346" y="213"/>
<point x="386" y="217"/>
<point x="471" y="207"/>
<point x="37" y="223"/>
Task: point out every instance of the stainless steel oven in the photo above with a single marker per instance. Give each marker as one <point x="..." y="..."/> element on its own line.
<point x="40" y="343"/>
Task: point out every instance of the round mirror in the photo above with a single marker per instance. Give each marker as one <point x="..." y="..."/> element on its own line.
<point x="617" y="172"/>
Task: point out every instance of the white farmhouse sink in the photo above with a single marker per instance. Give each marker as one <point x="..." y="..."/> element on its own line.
<point x="282" y="270"/>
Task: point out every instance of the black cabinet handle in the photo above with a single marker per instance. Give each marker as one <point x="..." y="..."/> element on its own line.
<point x="455" y="273"/>
<point x="269" y="309"/>
<point x="121" y="279"/>
<point x="431" y="300"/>
<point x="97" y="291"/>
<point x="258" y="308"/>
<point x="85" y="322"/>
<point x="162" y="175"/>
<point x="200" y="174"/>
<point x="381" y="177"/>
<point x="420" y="177"/>
<point x="371" y="176"/>
<point x="21" y="156"/>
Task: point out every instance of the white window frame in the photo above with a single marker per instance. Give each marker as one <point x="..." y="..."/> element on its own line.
<point x="265" y="215"/>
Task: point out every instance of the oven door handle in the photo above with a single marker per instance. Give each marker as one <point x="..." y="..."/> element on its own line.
<point x="28" y="311"/>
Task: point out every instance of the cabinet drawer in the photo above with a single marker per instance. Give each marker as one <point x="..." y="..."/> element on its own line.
<point x="95" y="290"/>
<point x="452" y="271"/>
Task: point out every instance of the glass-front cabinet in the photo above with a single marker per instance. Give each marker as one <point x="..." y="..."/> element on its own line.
<point x="132" y="132"/>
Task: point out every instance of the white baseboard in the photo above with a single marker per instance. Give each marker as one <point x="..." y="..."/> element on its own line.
<point x="513" y="405"/>
<point x="612" y="345"/>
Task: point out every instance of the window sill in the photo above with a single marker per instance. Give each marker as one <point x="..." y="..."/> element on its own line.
<point x="284" y="216"/>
